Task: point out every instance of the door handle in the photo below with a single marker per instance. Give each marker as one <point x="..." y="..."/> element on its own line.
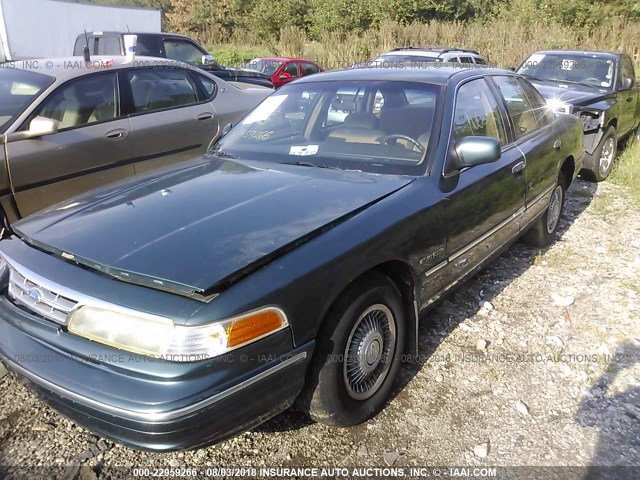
<point x="518" y="167"/>
<point x="204" y="117"/>
<point x="557" y="144"/>
<point x="116" y="134"/>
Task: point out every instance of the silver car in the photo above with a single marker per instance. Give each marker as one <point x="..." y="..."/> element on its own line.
<point x="67" y="126"/>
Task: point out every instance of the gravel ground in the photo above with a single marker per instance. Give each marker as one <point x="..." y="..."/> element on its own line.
<point x="535" y="361"/>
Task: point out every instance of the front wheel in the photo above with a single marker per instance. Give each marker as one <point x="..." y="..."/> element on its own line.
<point x="543" y="231"/>
<point x="604" y="156"/>
<point x="358" y="354"/>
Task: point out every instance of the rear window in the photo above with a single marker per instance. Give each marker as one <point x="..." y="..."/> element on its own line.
<point x="18" y="89"/>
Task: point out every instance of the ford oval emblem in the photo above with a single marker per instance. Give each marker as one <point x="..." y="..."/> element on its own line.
<point x="34" y="294"/>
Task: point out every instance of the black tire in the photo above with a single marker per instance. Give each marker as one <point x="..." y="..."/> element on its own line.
<point x="604" y="156"/>
<point x="543" y="232"/>
<point x="329" y="397"/>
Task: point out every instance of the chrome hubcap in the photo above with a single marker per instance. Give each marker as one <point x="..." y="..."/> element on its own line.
<point x="369" y="352"/>
<point x="606" y="158"/>
<point x="555" y="207"/>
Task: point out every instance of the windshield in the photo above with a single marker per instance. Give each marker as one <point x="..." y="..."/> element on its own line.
<point x="373" y="126"/>
<point x="263" y="66"/>
<point x="592" y="71"/>
<point x="18" y="88"/>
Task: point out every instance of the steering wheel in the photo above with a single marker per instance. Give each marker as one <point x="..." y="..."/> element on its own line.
<point x="398" y="136"/>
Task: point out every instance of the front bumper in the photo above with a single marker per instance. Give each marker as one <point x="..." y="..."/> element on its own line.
<point x="152" y="404"/>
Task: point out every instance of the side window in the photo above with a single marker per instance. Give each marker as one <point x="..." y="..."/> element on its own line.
<point x="82" y="102"/>
<point x="466" y="60"/>
<point x="477" y="113"/>
<point x="159" y="89"/>
<point x="291" y="69"/>
<point x="626" y="68"/>
<point x="480" y="61"/>
<point x="208" y="85"/>
<point x="543" y="113"/>
<point x="309" y="69"/>
<point x="183" y="51"/>
<point x="518" y="106"/>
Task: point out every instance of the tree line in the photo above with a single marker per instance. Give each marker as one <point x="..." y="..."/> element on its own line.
<point x="264" y="19"/>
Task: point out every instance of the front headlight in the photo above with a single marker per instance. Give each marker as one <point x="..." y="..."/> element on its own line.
<point x="161" y="338"/>
<point x="591" y="120"/>
<point x="557" y="105"/>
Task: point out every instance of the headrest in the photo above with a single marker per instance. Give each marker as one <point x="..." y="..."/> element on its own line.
<point x="361" y="120"/>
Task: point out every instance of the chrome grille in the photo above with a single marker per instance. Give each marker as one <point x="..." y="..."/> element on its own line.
<point x="39" y="299"/>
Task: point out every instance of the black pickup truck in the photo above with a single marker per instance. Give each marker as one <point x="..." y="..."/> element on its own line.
<point x="598" y="87"/>
<point x="167" y="45"/>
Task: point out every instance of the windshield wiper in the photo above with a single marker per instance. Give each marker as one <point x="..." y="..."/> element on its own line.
<point x="574" y="82"/>
<point x="220" y="153"/>
<point x="310" y="164"/>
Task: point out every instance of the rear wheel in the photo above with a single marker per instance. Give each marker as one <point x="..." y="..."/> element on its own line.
<point x="358" y="354"/>
<point x="543" y="231"/>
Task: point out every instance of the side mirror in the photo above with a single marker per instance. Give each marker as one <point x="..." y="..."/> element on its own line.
<point x="226" y="129"/>
<point x="208" y="59"/>
<point x="285" y="76"/>
<point x="512" y="69"/>
<point x="627" y="83"/>
<point x="41" y="126"/>
<point x="473" y="151"/>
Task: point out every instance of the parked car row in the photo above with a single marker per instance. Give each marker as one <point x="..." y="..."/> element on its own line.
<point x="290" y="262"/>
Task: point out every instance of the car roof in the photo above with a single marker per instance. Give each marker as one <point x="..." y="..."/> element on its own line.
<point x="438" y="73"/>
<point x="113" y="32"/>
<point x="285" y="59"/>
<point x="599" y="53"/>
<point x="431" y="50"/>
<point x="66" y="68"/>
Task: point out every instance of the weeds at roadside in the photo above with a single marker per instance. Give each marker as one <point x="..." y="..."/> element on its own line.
<point x="626" y="171"/>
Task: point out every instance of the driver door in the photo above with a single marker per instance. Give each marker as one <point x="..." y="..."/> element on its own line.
<point x="91" y="148"/>
<point x="485" y="202"/>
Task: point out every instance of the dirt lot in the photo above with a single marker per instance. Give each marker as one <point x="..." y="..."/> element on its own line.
<point x="536" y="361"/>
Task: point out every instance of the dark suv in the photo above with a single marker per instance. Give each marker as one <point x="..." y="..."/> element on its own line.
<point x="598" y="87"/>
<point x="167" y="45"/>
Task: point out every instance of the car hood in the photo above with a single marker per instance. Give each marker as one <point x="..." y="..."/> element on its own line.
<point x="574" y="95"/>
<point x="197" y="229"/>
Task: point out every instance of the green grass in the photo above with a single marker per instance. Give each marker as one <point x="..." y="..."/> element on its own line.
<point x="235" y="55"/>
<point x="626" y="171"/>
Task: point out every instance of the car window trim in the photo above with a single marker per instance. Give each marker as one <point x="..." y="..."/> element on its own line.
<point x="121" y="116"/>
<point x="131" y="113"/>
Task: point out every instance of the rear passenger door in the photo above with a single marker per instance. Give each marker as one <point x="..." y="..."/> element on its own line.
<point x="533" y="127"/>
<point x="485" y="201"/>
<point x="172" y="118"/>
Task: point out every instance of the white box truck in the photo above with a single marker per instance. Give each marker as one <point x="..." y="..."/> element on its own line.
<point x="48" y="28"/>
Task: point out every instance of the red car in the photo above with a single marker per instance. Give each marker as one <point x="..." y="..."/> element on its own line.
<point x="282" y="69"/>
